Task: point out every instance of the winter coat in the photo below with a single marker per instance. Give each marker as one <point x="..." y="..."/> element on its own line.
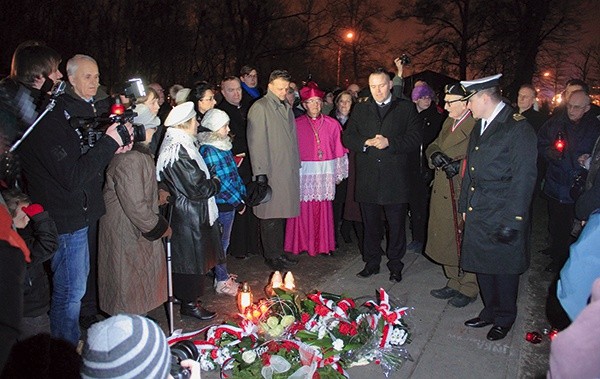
<point x="196" y="240"/>
<point x="132" y="274"/>
<point x="273" y="147"/>
<point x="579" y="140"/>
<point x="442" y="234"/>
<point x="499" y="177"/>
<point x="382" y="175"/>
<point x="65" y="181"/>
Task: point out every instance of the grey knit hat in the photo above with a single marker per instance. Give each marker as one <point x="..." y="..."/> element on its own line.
<point x="126" y="346"/>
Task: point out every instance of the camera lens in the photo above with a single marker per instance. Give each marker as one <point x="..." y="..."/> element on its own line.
<point x="182" y="350"/>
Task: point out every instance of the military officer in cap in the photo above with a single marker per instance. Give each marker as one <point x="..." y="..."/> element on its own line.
<point x="498" y="182"/>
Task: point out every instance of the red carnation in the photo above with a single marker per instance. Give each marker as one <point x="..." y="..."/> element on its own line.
<point x="345" y="328"/>
<point x="213" y="354"/>
<point x="304" y="317"/>
<point x="321" y="310"/>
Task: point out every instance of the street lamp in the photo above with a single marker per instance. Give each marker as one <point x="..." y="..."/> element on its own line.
<point x="348" y="36"/>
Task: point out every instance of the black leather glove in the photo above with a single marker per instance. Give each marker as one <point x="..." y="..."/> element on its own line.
<point x="439" y="159"/>
<point x="258" y="191"/>
<point x="452" y="169"/>
<point x="505" y="234"/>
<point x="262" y="179"/>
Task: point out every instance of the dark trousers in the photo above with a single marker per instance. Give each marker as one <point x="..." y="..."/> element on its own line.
<point x="374" y="227"/>
<point x="89" y="302"/>
<point x="188" y="287"/>
<point x="244" y="235"/>
<point x="418" y="204"/>
<point x="499" y="295"/>
<point x="560" y="222"/>
<point x="272" y="232"/>
<point x="555" y="313"/>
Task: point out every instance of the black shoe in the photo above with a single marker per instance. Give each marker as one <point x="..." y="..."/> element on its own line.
<point x="194" y="309"/>
<point x="477" y="323"/>
<point x="461" y="300"/>
<point x="175" y="300"/>
<point x="395" y="277"/>
<point x="289" y="259"/>
<point x="444" y="293"/>
<point x="277" y="264"/>
<point x="366" y="272"/>
<point x="497" y="333"/>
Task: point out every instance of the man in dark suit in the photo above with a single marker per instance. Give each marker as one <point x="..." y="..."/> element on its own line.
<point x="382" y="130"/>
<point x="499" y="176"/>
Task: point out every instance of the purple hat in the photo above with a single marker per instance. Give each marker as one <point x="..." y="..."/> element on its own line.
<point x="421" y="91"/>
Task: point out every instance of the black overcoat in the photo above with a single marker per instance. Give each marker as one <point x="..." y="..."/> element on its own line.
<point x="497" y="187"/>
<point x="382" y="175"/>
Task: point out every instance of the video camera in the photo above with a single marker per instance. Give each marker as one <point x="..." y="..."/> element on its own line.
<point x="180" y="351"/>
<point x="91" y="129"/>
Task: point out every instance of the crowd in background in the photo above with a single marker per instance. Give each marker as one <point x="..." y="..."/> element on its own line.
<point x="229" y="170"/>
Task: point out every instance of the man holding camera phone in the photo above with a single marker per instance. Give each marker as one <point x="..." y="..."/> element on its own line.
<point x="68" y="183"/>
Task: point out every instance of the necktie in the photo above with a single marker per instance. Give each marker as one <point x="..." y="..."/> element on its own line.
<point x="483" y="126"/>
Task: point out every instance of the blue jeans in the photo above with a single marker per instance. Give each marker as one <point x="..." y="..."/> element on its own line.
<point x="226" y="220"/>
<point x="70" y="267"/>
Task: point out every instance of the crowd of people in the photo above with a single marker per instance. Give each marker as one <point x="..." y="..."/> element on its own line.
<point x="233" y="170"/>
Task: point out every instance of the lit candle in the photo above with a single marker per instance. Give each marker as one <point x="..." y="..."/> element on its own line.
<point x="244" y="297"/>
<point x="288" y="281"/>
<point x="276" y="281"/>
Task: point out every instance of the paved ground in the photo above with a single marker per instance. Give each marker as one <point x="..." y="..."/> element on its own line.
<point x="442" y="346"/>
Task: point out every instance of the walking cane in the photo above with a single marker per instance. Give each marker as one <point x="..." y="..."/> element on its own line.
<point x="455" y="218"/>
<point x="170" y="298"/>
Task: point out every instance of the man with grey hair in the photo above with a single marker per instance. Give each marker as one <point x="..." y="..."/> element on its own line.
<point x="66" y="178"/>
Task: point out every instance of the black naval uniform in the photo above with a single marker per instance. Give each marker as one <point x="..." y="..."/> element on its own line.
<point x="499" y="177"/>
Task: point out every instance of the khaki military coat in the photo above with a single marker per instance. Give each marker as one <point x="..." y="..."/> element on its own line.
<point x="442" y="232"/>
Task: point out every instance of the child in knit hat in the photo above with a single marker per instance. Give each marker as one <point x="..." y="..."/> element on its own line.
<point x="129" y="347"/>
<point x="216" y="150"/>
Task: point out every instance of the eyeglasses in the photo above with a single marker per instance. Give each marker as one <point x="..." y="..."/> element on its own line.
<point x="453" y="101"/>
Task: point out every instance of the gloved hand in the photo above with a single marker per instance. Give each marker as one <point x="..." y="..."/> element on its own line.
<point x="33" y="209"/>
<point x="257" y="191"/>
<point x="262" y="179"/>
<point x="439" y="159"/>
<point x="505" y="234"/>
<point x="452" y="169"/>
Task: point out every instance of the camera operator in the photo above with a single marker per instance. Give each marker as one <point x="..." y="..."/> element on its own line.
<point x="68" y="183"/>
<point x="34" y="70"/>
